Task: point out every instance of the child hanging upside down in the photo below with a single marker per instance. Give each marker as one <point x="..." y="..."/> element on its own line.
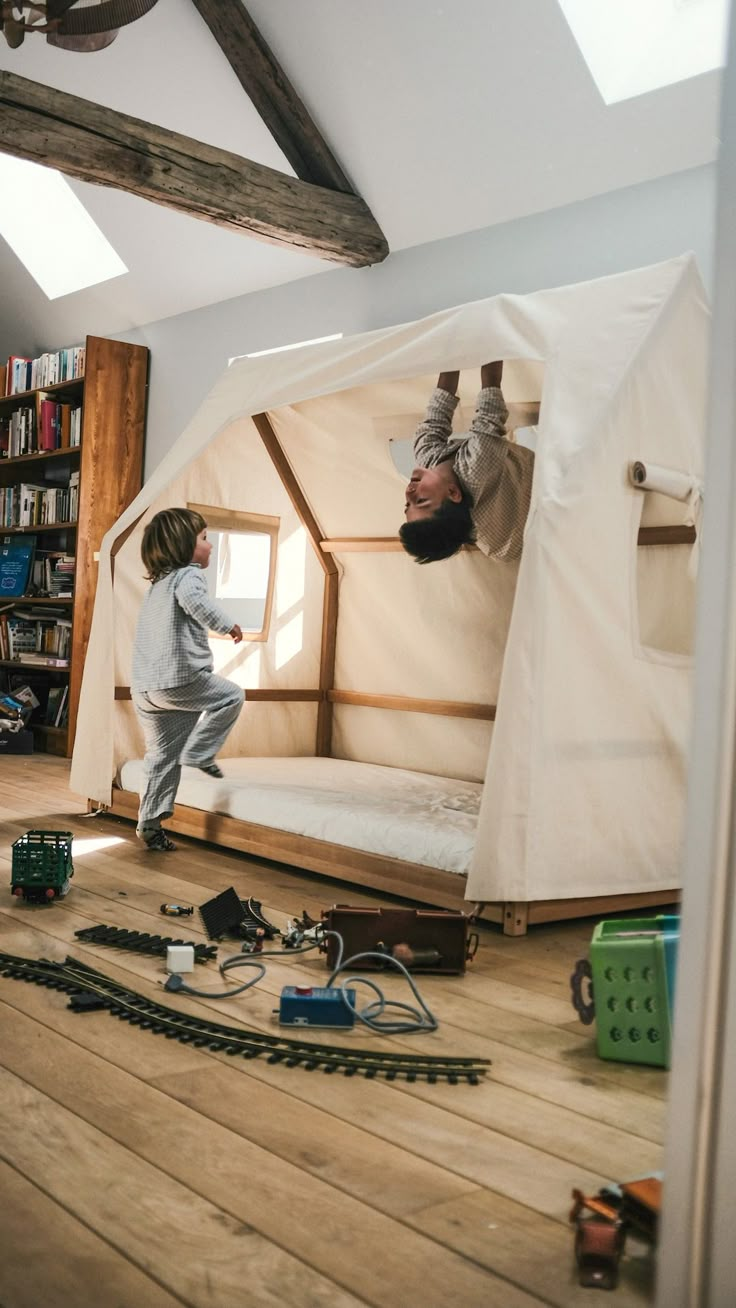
<point x="185" y="709"/>
<point x="474" y="488"/>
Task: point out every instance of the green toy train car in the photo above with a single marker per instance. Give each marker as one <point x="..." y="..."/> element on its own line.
<point x="42" y="865"/>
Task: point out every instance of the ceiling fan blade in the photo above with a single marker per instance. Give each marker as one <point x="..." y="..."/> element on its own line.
<point x="86" y="29"/>
<point x="106" y="16"/>
<point x="55" y="8"/>
<point x="82" y="44"/>
<point x="13" y="32"/>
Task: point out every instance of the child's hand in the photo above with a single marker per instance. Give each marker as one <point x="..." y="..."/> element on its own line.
<point x="448" y="381"/>
<point x="491" y="373"/>
<point x="236" y="634"/>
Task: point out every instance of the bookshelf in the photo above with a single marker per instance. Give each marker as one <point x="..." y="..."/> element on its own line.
<point x="107" y="467"/>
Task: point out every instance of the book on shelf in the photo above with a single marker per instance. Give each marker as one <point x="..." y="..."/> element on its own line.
<point x="18" y="433"/>
<point x="56" y="706"/>
<point x="18" y="374"/>
<point x="52" y="705"/>
<point x="49" y="437"/>
<point x="25" y="695"/>
<point x="40" y="504"/>
<point x="59" y="428"/>
<point x="31" y="660"/>
<point x="16" y="564"/>
<point x="26" y="374"/>
<point x="60" y="575"/>
<point x="65" y="425"/>
<point x="35" y="637"/>
<point x="53" y="574"/>
<point x="45" y="613"/>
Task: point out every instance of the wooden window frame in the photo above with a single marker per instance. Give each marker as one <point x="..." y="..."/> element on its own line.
<point x="262" y="524"/>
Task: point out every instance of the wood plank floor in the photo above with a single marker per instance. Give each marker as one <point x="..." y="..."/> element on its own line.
<point x="139" y="1173"/>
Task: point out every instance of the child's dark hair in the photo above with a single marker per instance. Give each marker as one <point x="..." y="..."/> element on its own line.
<point x="169" y="541"/>
<point x="441" y="535"/>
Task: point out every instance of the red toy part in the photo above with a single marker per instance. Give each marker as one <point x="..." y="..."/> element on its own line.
<point x="598" y="1248"/>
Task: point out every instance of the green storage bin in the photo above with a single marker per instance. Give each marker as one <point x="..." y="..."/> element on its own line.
<point x="633" y="966"/>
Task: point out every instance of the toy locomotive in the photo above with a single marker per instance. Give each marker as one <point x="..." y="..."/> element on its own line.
<point x="42" y="865"/>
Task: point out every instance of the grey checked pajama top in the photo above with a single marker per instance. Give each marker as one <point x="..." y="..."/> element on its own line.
<point x="496" y="472"/>
<point x="171" y="643"/>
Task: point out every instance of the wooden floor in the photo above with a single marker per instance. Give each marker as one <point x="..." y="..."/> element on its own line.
<point x="139" y="1173"/>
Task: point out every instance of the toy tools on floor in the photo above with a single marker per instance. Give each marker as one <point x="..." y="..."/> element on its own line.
<point x="229" y="915"/>
<point x="604" y="1220"/>
<point x="316" y="1006"/>
<point x="424" y="940"/>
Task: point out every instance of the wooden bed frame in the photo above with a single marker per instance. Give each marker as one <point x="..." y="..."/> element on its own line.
<point x="391" y="876"/>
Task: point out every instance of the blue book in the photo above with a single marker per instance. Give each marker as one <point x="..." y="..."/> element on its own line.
<point x="16" y="562"/>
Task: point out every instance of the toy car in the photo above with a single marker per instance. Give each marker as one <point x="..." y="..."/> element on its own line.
<point x="42" y="865"/>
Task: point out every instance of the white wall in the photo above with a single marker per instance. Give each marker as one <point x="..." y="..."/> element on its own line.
<point x="607" y="234"/>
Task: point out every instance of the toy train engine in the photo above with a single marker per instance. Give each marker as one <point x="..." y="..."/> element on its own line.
<point x="42" y="866"/>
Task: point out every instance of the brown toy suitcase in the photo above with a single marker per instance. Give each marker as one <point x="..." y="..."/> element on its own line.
<point x="423" y="939"/>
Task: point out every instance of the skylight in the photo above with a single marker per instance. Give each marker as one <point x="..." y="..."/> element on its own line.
<point x="279" y="349"/>
<point x="50" y="230"/>
<point x="635" y="46"/>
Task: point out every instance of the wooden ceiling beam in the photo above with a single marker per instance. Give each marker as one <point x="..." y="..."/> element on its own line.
<point x="272" y="94"/>
<point x="96" y="144"/>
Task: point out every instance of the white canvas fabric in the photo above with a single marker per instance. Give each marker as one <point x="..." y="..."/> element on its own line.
<point x="585" y="646"/>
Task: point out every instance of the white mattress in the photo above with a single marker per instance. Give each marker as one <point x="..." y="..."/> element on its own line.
<point x="408" y="815"/>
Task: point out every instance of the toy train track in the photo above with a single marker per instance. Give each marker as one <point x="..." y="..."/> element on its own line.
<point x="141" y="942"/>
<point x="90" y="990"/>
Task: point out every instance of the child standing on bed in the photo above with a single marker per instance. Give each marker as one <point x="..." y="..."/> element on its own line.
<point x="185" y="709"/>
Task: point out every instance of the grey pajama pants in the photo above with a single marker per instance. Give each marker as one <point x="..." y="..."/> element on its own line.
<point x="183" y="726"/>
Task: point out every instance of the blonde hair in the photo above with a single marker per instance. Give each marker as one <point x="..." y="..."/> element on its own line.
<point x="169" y="541"/>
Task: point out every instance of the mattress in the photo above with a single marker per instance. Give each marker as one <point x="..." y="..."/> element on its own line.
<point x="412" y="816"/>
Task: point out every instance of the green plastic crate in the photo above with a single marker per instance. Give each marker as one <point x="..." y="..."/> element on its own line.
<point x="42" y="864"/>
<point x="633" y="966"/>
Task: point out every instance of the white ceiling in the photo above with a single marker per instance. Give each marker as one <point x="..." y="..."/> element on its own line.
<point x="447" y="118"/>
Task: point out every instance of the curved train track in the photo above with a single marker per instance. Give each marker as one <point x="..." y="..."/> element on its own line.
<point x="90" y="990"/>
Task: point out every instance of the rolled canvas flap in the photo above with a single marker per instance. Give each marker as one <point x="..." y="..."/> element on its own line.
<point x="665" y="481"/>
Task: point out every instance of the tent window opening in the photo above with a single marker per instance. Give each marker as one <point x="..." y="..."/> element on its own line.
<point x="666" y="599"/>
<point x="664" y="581"/>
<point x="242" y="566"/>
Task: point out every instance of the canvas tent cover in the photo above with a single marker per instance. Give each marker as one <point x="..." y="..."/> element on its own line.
<point x="584" y="646"/>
